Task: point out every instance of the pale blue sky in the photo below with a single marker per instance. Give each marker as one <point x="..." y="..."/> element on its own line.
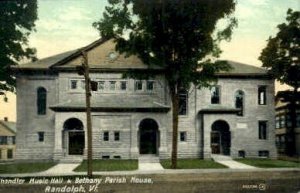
<point x="67" y="24"/>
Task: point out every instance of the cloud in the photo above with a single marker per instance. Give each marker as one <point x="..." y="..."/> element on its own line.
<point x="74" y="14"/>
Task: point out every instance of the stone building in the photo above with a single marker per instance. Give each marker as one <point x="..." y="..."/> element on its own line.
<point x="7" y="140"/>
<point x="283" y="122"/>
<point x="133" y="117"/>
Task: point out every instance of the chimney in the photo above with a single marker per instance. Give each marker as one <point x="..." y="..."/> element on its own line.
<point x="5" y="119"/>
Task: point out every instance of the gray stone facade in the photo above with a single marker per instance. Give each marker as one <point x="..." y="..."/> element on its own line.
<point x="124" y="119"/>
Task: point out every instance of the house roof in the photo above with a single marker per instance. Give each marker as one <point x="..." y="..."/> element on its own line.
<point x="11" y="126"/>
<point x="124" y="103"/>
<point x="98" y="56"/>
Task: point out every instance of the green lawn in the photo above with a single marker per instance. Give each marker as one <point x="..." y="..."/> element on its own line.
<point x="109" y="165"/>
<point x="192" y="164"/>
<point x="269" y="163"/>
<point x="12" y="168"/>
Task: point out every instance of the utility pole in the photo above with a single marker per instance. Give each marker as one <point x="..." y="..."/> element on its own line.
<point x="84" y="70"/>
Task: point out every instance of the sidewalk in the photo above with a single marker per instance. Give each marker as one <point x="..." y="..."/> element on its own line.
<point x="229" y="162"/>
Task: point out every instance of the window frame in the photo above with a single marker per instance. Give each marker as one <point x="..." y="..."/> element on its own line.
<point x="183" y="136"/>
<point x="241" y="113"/>
<point x="263" y="131"/>
<point x="122" y="83"/>
<point x="117" y="135"/>
<point x="262" y="100"/>
<point x="183" y="95"/>
<point x="218" y="95"/>
<point x="10" y="153"/>
<point x="148" y="83"/>
<point x="41" y="101"/>
<point x="105" y="136"/>
<point x="41" y="136"/>
<point x="136" y="85"/>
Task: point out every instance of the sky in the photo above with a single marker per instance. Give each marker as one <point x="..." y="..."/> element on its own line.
<point x="67" y="25"/>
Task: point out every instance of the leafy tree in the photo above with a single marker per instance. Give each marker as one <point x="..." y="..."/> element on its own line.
<point x="16" y="22"/>
<point x="282" y="58"/>
<point x="179" y="36"/>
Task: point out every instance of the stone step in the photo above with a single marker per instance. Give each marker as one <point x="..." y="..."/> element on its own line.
<point x="148" y="159"/>
<point x="71" y="159"/>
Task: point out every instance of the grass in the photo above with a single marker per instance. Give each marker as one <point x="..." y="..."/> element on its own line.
<point x="12" y="168"/>
<point x="192" y="164"/>
<point x="109" y="165"/>
<point x="269" y="163"/>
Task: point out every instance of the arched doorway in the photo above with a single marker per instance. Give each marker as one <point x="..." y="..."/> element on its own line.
<point x="148" y="136"/>
<point x="73" y="136"/>
<point x="220" y="138"/>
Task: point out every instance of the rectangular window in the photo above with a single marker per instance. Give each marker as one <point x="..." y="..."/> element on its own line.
<point x="183" y="102"/>
<point x="112" y="85"/>
<point x="215" y="95"/>
<point x="182" y="136"/>
<point x="117" y="136"/>
<point x="105" y="136"/>
<point x="262" y="129"/>
<point x="282" y="121"/>
<point x="105" y="157"/>
<point x="101" y="85"/>
<point x="0" y="154"/>
<point x="41" y="136"/>
<point x="73" y="84"/>
<point x="9" y="154"/>
<point x="150" y="85"/>
<point x="10" y="140"/>
<point x="263" y="153"/>
<point x="138" y="85"/>
<point x="242" y="153"/>
<point x="277" y="121"/>
<point x="123" y="85"/>
<point x="262" y="95"/>
<point x="3" y="140"/>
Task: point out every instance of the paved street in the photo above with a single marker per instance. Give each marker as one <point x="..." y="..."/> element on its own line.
<point x="184" y="181"/>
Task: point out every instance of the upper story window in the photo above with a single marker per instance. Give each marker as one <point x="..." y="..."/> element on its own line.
<point x="215" y="95"/>
<point x="3" y="140"/>
<point x="123" y="85"/>
<point x="138" y="85"/>
<point x="150" y="85"/>
<point x="101" y="85"/>
<point x="239" y="102"/>
<point x="262" y="95"/>
<point x="41" y="101"/>
<point x="183" y="136"/>
<point x="74" y="84"/>
<point x="41" y="136"/>
<point x="117" y="135"/>
<point x="262" y="129"/>
<point x="105" y="136"/>
<point x="112" y="85"/>
<point x="183" y="102"/>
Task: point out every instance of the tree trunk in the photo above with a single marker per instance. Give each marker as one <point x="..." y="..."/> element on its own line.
<point x="175" y="109"/>
<point x="291" y="145"/>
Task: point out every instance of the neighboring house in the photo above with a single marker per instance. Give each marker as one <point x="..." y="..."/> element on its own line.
<point x="7" y="140"/>
<point x="283" y="122"/>
<point x="133" y="117"/>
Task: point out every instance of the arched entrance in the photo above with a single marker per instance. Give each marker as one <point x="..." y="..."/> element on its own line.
<point x="148" y="136"/>
<point x="220" y="138"/>
<point x="73" y="136"/>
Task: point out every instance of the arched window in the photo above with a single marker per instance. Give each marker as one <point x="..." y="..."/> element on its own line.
<point x="183" y="102"/>
<point x="239" y="102"/>
<point x="41" y="101"/>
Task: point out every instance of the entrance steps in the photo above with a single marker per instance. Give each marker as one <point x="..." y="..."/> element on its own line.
<point x="149" y="162"/>
<point x="148" y="158"/>
<point x="71" y="159"/>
